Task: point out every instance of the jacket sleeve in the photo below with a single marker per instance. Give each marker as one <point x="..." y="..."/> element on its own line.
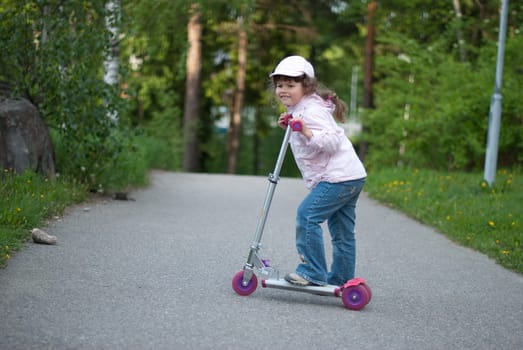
<point x="325" y="134"/>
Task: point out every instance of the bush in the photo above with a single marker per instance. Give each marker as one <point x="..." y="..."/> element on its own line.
<point x="125" y="167"/>
<point x="432" y="110"/>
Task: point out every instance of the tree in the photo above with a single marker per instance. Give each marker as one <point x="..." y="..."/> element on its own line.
<point x="53" y="55"/>
<point x="192" y="90"/>
<point x="233" y="140"/>
<point x="111" y="63"/>
<point x="368" y="71"/>
<point x="459" y="32"/>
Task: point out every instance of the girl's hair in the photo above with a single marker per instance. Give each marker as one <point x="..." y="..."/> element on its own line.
<point x="310" y="86"/>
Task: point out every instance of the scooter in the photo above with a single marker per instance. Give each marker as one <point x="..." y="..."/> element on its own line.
<point x="355" y="293"/>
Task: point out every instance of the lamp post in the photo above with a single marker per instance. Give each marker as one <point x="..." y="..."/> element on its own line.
<point x="491" y="155"/>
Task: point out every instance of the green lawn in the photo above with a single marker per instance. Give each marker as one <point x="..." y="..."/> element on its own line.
<point x="26" y="201"/>
<point x="461" y="206"/>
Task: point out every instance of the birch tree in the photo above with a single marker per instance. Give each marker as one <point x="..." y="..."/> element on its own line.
<point x="111" y="62"/>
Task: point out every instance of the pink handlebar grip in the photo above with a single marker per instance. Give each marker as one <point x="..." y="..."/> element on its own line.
<point x="295" y="125"/>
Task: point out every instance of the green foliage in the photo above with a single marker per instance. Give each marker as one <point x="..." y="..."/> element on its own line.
<point x="124" y="168"/>
<point x="156" y="47"/>
<point x="461" y="206"/>
<point x="511" y="133"/>
<point x="159" y="153"/>
<point x="433" y="110"/>
<point x="54" y="53"/>
<point x="26" y="201"/>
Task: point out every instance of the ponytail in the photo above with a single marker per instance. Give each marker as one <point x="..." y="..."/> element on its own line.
<point x="340" y="106"/>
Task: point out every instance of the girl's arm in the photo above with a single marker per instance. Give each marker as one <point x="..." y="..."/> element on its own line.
<point x="322" y="136"/>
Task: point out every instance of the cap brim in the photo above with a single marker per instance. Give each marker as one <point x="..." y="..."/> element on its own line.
<point x="293" y="74"/>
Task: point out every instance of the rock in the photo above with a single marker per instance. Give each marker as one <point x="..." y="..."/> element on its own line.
<point x="121" y="196"/>
<point x="40" y="236"/>
<point x="25" y="143"/>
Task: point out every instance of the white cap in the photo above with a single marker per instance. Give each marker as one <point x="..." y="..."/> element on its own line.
<point x="294" y="66"/>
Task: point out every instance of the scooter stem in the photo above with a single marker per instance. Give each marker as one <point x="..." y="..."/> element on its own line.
<point x="273" y="181"/>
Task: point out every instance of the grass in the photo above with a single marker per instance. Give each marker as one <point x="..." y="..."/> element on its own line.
<point x="26" y="201"/>
<point x="461" y="206"/>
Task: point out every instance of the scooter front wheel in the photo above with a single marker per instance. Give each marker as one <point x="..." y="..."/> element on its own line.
<point x="355" y="297"/>
<point x="239" y="288"/>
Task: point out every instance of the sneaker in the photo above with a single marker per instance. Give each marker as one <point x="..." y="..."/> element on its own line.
<point x="293" y="278"/>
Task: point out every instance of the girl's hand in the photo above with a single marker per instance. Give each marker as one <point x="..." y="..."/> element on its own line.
<point x="283" y="120"/>
<point x="304" y="129"/>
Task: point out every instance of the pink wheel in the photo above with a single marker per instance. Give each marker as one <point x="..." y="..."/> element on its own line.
<point x="368" y="291"/>
<point x="355" y="297"/>
<point x="239" y="288"/>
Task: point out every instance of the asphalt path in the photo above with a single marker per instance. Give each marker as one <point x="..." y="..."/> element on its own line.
<point x="155" y="273"/>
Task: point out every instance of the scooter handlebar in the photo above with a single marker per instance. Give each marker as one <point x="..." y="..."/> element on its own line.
<point x="295" y="124"/>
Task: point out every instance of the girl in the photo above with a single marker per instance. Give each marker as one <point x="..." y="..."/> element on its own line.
<point x="331" y="170"/>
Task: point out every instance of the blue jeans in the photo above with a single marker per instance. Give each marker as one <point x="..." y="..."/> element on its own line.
<point x="336" y="204"/>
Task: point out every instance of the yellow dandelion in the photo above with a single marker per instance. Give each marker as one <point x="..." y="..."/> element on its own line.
<point x="491" y="223"/>
<point x="483" y="184"/>
<point x="505" y="252"/>
<point x="18" y="209"/>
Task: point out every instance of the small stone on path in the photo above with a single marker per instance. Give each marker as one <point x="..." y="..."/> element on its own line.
<point x="42" y="237"/>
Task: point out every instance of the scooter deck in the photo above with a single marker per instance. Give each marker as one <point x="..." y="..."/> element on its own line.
<point x="328" y="290"/>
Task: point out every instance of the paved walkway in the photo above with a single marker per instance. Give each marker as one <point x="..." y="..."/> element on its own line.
<point x="155" y="273"/>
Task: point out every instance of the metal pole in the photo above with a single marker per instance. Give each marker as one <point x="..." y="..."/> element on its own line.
<point x="354" y="93"/>
<point x="491" y="155"/>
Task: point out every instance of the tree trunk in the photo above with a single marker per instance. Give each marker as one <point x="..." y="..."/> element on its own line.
<point x="192" y="91"/>
<point x="368" y="99"/>
<point x="459" y="33"/>
<point x="233" y="139"/>
<point x="111" y="62"/>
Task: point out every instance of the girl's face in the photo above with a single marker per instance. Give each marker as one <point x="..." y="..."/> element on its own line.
<point x="288" y="91"/>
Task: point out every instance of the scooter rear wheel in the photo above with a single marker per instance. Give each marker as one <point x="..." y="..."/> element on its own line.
<point x="355" y="297"/>
<point x="368" y="291"/>
<point x="239" y="288"/>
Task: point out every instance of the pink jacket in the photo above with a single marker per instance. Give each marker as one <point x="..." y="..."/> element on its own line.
<point x="329" y="155"/>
